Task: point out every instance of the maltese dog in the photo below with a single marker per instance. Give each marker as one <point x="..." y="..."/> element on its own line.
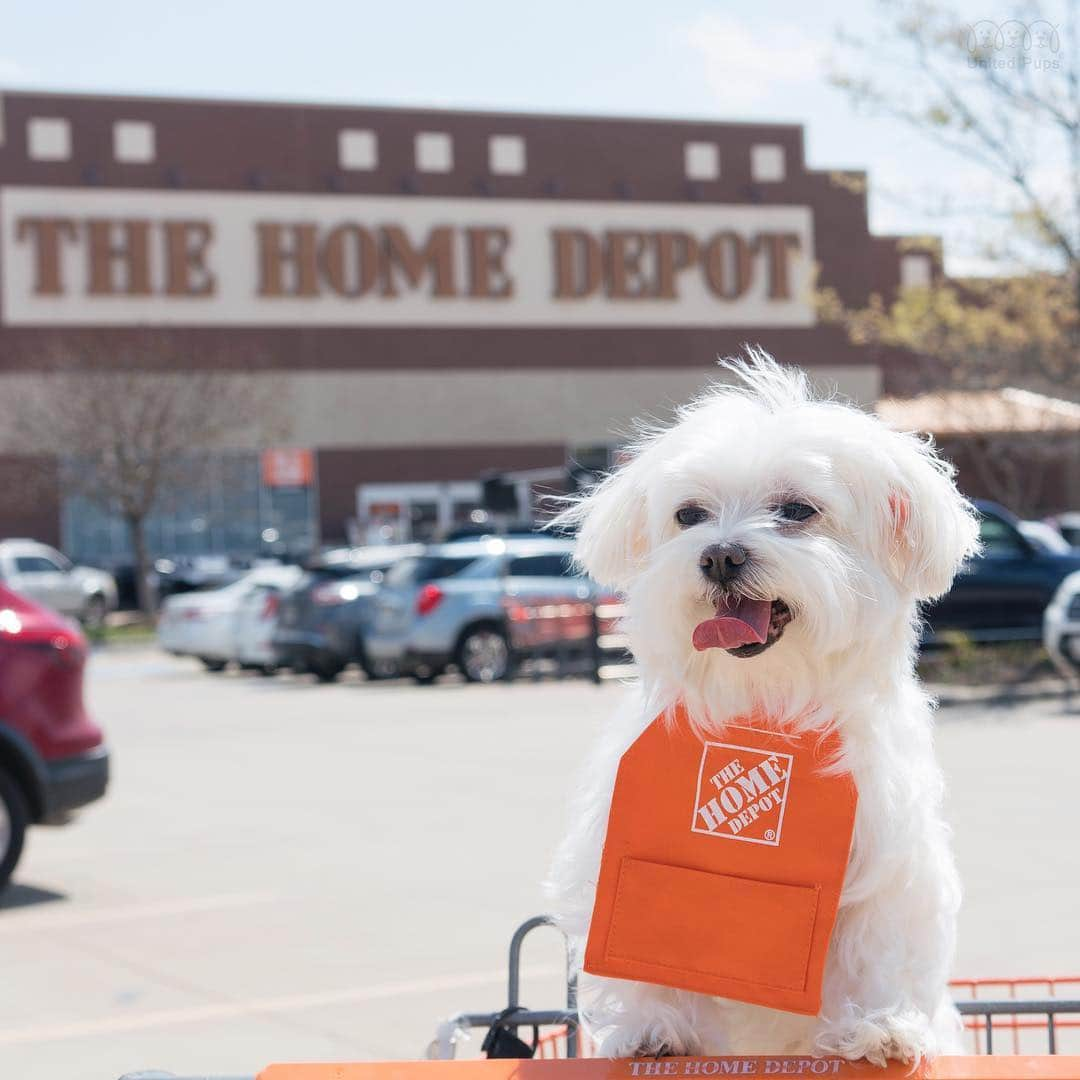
<point x="772" y="548"/>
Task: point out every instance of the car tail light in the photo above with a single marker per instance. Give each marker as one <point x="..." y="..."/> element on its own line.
<point x="428" y="599"/>
<point x="270" y="608"/>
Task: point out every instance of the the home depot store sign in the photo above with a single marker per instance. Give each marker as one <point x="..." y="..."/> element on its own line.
<point x="124" y="257"/>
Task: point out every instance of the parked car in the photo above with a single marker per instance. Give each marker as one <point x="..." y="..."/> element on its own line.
<point x="323" y="620"/>
<point x="189" y="573"/>
<point x="1061" y="627"/>
<point x="52" y="755"/>
<point x="208" y="624"/>
<point x="41" y="573"/>
<point x="256" y="621"/>
<point x="1045" y="537"/>
<point x="1069" y="527"/>
<point x="1002" y="594"/>
<point x="446" y="606"/>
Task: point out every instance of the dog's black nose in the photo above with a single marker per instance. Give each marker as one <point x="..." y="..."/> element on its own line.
<point x="722" y="562"/>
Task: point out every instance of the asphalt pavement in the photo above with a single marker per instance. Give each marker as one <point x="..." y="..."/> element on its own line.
<point x="285" y="871"/>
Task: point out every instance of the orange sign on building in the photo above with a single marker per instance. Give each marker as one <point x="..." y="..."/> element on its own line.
<point x="288" y="467"/>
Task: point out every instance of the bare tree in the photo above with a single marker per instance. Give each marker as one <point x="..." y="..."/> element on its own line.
<point x="132" y="423"/>
<point x="1005" y="97"/>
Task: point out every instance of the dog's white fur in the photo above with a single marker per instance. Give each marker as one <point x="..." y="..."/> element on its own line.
<point x="892" y="530"/>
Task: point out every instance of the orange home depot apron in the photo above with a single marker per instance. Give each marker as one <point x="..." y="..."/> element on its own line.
<point x="723" y="863"/>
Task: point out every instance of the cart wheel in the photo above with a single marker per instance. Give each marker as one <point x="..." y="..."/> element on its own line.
<point x="14" y="817"/>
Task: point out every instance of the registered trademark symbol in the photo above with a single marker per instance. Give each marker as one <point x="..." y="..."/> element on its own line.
<point x="770" y="834"/>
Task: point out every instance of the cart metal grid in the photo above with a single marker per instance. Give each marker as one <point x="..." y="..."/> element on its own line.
<point x="1008" y="1014"/>
<point x="1028" y="1025"/>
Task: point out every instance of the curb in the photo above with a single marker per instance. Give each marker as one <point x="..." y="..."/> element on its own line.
<point x="1000" y="694"/>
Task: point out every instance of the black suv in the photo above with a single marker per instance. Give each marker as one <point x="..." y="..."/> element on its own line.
<point x="1001" y="594"/>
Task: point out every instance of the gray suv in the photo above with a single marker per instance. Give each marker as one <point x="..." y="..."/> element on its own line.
<point x="449" y="605"/>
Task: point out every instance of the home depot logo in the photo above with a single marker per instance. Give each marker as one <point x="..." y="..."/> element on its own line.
<point x="741" y="793"/>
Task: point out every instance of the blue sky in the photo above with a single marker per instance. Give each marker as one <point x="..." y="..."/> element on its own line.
<point x="659" y="58"/>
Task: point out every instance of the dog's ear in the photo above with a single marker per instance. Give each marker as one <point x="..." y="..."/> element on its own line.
<point x="610" y="520"/>
<point x="926" y="528"/>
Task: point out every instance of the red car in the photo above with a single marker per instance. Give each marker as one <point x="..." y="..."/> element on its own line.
<point x="52" y="755"/>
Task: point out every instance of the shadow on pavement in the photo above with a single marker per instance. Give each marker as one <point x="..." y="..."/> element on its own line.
<point x="18" y="896"/>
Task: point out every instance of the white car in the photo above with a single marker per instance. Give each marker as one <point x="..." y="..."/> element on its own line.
<point x="41" y="573"/>
<point x="1061" y="627"/>
<point x="232" y="623"/>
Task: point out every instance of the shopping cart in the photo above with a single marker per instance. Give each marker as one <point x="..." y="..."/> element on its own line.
<point x="1012" y="1024"/>
<point x="1033" y="1015"/>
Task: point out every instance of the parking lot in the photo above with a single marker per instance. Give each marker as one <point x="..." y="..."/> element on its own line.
<point x="290" y="871"/>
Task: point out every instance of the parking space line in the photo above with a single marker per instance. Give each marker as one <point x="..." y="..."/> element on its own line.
<point x="229" y="1010"/>
<point x="15" y="922"/>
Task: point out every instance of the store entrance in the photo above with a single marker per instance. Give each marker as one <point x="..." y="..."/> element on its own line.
<point x="415" y="513"/>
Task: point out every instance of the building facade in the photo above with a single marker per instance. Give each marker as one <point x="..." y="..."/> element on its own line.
<point x="429" y="296"/>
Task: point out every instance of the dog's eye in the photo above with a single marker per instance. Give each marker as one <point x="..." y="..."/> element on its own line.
<point x="796" y="511"/>
<point x="690" y="515"/>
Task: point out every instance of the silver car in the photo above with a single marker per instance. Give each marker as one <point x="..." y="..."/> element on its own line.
<point x="41" y="573"/>
<point x="449" y="604"/>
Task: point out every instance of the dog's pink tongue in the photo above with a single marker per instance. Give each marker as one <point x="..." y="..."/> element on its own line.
<point x="737" y="622"/>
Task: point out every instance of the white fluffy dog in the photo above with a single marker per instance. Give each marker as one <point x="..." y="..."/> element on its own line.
<point x="842" y="526"/>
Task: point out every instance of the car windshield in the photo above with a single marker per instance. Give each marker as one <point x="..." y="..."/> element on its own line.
<point x="425" y="568"/>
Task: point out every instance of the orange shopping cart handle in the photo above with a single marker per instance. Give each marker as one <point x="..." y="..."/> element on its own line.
<point x="982" y="1067"/>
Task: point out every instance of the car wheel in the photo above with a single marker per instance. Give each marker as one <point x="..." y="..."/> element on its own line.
<point x="212" y="665"/>
<point x="326" y="671"/>
<point x="14" y="817"/>
<point x="375" y="669"/>
<point x="427" y="676"/>
<point x="266" y="670"/>
<point x="484" y="655"/>
<point x="94" y="611"/>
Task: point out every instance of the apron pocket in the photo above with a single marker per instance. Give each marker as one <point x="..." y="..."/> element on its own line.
<point x="711" y="925"/>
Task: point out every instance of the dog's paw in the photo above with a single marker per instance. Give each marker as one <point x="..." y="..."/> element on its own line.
<point x="881" y="1037"/>
<point x="648" y="1043"/>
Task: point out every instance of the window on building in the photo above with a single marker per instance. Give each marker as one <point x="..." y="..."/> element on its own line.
<point x="48" y="138"/>
<point x="506" y="155"/>
<point x="133" y="142"/>
<point x="701" y="161"/>
<point x="434" y="151"/>
<point x="767" y="163"/>
<point x="223" y="509"/>
<point x="358" y="149"/>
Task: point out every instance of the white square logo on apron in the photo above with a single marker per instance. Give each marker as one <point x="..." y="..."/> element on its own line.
<point x="741" y="793"/>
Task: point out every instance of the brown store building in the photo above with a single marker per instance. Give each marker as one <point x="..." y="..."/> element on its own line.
<point x="430" y="294"/>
